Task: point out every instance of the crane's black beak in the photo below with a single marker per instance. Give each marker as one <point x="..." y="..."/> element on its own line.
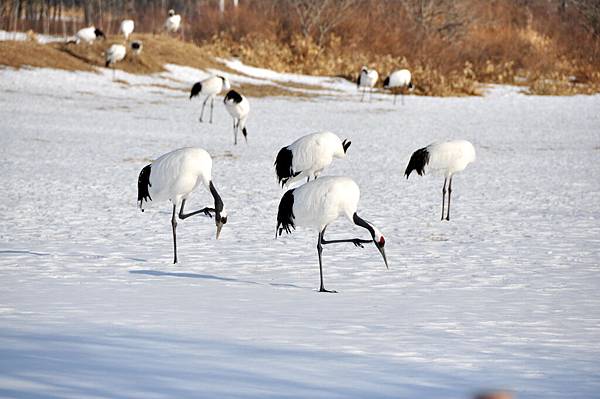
<point x="382" y="252"/>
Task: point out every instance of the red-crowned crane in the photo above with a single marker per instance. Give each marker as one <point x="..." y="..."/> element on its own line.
<point x="367" y="78"/>
<point x="88" y="35"/>
<point x="210" y="87"/>
<point x="238" y="107"/>
<point x="319" y="203"/>
<point x="308" y="156"/>
<point x="398" y="81"/>
<point x="114" y="54"/>
<point x="448" y="158"/>
<point x="173" y="177"/>
<point x="126" y="28"/>
<point x="173" y="22"/>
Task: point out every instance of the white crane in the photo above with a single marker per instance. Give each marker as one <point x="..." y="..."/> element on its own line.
<point x="308" y="156"/>
<point x="173" y="22"/>
<point x="238" y="107"/>
<point x="114" y="54"/>
<point x="448" y="158"/>
<point x="173" y="177"/>
<point x="210" y="87"/>
<point x="398" y="81"/>
<point x="319" y="203"/>
<point x="88" y="35"/>
<point x="367" y="80"/>
<point x="126" y="28"/>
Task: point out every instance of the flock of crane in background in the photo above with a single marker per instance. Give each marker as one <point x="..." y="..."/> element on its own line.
<point x="315" y="203"/>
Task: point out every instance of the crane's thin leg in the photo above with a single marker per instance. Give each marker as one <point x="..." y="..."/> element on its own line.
<point x="206" y="211"/>
<point x="320" y="251"/>
<point x="174" y="224"/>
<point x="236" y="127"/>
<point x="212" y="106"/>
<point x="402" y="95"/>
<point x="202" y="113"/>
<point x="444" y="197"/>
<point x="363" y="94"/>
<point x="114" y="73"/>
<point x="449" y="195"/>
<point x="356" y="241"/>
<point x="307" y="179"/>
<point x="370" y="94"/>
<point x="395" y="95"/>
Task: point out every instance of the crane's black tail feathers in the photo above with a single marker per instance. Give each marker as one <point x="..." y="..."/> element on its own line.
<point x="143" y="184"/>
<point x="285" y="215"/>
<point x="283" y="165"/>
<point x="196" y="89"/>
<point x="386" y="82"/>
<point x="346" y="143"/>
<point x="418" y="160"/>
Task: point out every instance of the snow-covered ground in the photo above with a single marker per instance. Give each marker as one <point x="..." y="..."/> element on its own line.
<point x="506" y="295"/>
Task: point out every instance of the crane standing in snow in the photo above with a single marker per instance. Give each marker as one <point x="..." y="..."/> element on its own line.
<point x="173" y="22"/>
<point x="367" y="79"/>
<point x="238" y="107"/>
<point x="308" y="156"/>
<point x="319" y="203"/>
<point x="173" y="177"/>
<point x="449" y="158"/>
<point x="114" y="54"/>
<point x="398" y="81"/>
<point x="126" y="28"/>
<point x="210" y="87"/>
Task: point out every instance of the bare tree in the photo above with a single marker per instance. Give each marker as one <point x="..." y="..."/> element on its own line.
<point x="320" y="17"/>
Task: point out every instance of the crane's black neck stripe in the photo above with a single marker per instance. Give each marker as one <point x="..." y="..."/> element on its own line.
<point x="234" y="96"/>
<point x="136" y="45"/>
<point x="363" y="223"/>
<point x="143" y="184"/>
<point x="283" y="165"/>
<point x="417" y="162"/>
<point x="386" y="82"/>
<point x="217" y="197"/>
<point x="196" y="89"/>
<point x="346" y="143"/>
<point x="285" y="214"/>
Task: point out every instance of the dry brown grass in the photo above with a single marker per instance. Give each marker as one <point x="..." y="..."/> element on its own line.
<point x="28" y="53"/>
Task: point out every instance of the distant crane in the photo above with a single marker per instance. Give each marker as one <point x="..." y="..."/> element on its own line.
<point x="238" y="107"/>
<point x="449" y="158"/>
<point x="114" y="54"/>
<point x="136" y="47"/>
<point x="210" y="87"/>
<point x="87" y="35"/>
<point x="367" y="79"/>
<point x="173" y="22"/>
<point x="319" y="203"/>
<point x="398" y="81"/>
<point x="308" y="156"/>
<point x="173" y="177"/>
<point x="127" y="27"/>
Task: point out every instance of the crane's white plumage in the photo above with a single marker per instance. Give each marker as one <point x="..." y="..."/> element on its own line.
<point x="210" y="87"/>
<point x="238" y="107"/>
<point x="174" y="176"/>
<point x="88" y="35"/>
<point x="367" y="78"/>
<point x="319" y="203"/>
<point x="115" y="53"/>
<point x="448" y="158"/>
<point x="398" y="81"/>
<point x="308" y="156"/>
<point x="173" y="22"/>
<point x="127" y="27"/>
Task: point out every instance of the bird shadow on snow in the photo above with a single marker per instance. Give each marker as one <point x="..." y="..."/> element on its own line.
<point x="118" y="362"/>
<point x="158" y="273"/>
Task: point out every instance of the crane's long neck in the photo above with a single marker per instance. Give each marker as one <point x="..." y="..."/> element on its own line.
<point x="217" y="197"/>
<point x="363" y="223"/>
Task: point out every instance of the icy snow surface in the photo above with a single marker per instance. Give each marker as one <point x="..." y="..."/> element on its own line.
<point x="506" y="295"/>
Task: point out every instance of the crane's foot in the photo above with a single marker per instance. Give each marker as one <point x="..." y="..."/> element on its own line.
<point x="200" y="119"/>
<point x="322" y="289"/>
